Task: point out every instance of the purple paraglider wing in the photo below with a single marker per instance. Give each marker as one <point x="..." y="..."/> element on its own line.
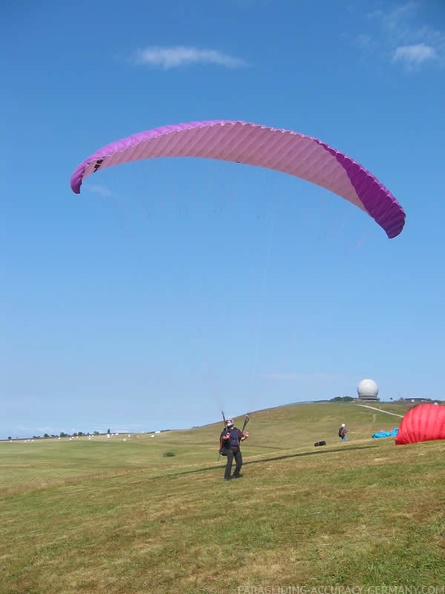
<point x="252" y="144"/>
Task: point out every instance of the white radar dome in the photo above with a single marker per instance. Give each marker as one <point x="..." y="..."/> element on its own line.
<point x="367" y="388"/>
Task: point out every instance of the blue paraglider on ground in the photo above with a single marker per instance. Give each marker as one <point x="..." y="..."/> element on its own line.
<point x="380" y="434"/>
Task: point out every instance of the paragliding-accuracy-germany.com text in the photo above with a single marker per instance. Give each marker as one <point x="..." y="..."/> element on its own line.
<point x="340" y="589"/>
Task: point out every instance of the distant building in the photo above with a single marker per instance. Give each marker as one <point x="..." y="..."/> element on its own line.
<point x="420" y="400"/>
<point x="368" y="390"/>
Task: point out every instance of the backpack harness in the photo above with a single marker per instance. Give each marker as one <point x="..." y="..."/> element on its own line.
<point x="230" y="444"/>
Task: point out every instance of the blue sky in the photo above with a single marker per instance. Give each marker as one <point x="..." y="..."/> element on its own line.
<point x="171" y="289"/>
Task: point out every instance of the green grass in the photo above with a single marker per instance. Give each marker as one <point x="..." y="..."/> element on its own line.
<point x="126" y="517"/>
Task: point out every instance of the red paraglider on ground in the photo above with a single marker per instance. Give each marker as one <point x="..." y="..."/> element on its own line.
<point x="425" y="422"/>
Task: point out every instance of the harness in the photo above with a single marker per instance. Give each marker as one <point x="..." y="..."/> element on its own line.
<point x="229" y="444"/>
<point x="234" y="438"/>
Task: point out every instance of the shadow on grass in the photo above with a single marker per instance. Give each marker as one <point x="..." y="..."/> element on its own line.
<point x="316" y="453"/>
<point x="275" y="458"/>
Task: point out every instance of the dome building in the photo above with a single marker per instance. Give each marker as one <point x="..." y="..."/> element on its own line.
<point x="368" y="390"/>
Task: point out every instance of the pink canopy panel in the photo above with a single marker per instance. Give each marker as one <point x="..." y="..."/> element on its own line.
<point x="425" y="422"/>
<point x="252" y="144"/>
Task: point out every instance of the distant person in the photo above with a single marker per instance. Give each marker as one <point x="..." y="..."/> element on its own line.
<point x="342" y="432"/>
<point x="230" y="440"/>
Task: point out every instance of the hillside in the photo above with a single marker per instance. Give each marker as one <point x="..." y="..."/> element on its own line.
<point x="153" y="514"/>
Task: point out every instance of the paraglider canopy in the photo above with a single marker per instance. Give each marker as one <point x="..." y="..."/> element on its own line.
<point x="252" y="144"/>
<point x="425" y="422"/>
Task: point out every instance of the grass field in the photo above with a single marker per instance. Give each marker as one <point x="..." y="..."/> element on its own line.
<point x="154" y="515"/>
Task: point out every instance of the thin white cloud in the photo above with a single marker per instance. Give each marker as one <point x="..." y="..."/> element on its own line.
<point x="396" y="22"/>
<point x="365" y="42"/>
<point x="102" y="191"/>
<point x="402" y="39"/>
<point x="414" y="55"/>
<point x="118" y="202"/>
<point x="178" y="56"/>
